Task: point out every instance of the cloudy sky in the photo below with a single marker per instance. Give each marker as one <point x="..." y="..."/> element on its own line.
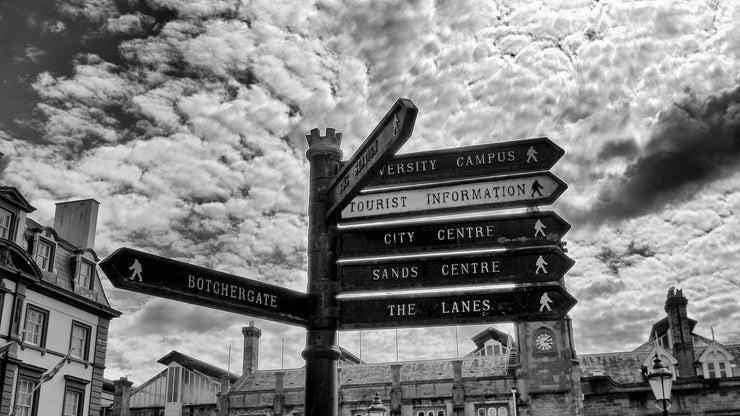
<point x="186" y="120"/>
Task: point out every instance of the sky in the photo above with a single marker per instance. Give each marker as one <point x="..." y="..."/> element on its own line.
<point x="186" y="120"/>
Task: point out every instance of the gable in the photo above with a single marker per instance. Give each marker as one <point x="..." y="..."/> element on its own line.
<point x="11" y="195"/>
<point x="715" y="352"/>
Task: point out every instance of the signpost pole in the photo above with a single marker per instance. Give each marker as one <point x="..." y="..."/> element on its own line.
<point x="321" y="352"/>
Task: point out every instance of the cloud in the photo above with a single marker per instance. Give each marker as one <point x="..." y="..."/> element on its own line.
<point x="693" y="142"/>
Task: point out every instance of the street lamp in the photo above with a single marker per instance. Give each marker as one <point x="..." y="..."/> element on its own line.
<point x="513" y="397"/>
<point x="661" y="381"/>
<point x="376" y="408"/>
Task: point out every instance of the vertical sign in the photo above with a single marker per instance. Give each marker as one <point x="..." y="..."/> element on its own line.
<point x="387" y="137"/>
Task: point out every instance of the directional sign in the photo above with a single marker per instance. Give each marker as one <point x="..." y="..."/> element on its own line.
<point x="159" y="276"/>
<point x="459" y="196"/>
<point x="378" y="239"/>
<point x="529" y="155"/>
<point x="522" y="265"/>
<point x="387" y="137"/>
<point x="534" y="303"/>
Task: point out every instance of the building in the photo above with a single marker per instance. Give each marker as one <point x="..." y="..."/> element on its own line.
<point x="538" y="375"/>
<point x="189" y="386"/>
<point x="706" y="373"/>
<point x="54" y="314"/>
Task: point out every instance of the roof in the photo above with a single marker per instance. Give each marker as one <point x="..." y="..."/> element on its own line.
<point x="662" y="326"/>
<point x="626" y="367"/>
<point x="622" y="367"/>
<point x="480" y="338"/>
<point x="195" y="364"/>
<point x="358" y="374"/>
<point x="12" y="195"/>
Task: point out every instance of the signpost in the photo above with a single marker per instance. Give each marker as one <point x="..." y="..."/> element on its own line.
<point x="378" y="239"/>
<point x="528" y="155"/>
<point x="387" y="137"/>
<point x="154" y="275"/>
<point x="464" y="196"/>
<point x="536" y="303"/>
<point x="409" y="253"/>
<point x="523" y="265"/>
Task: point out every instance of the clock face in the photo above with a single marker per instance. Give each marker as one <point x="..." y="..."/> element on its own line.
<point x="543" y="341"/>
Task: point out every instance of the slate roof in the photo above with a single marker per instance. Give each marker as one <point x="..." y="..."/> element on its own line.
<point x="357" y="374"/>
<point x="625" y="367"/>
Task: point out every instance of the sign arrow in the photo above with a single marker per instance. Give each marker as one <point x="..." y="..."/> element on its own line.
<point x="159" y="276"/>
<point x="459" y="196"/>
<point x="382" y="143"/>
<point x="528" y="155"/>
<point x="522" y="265"/>
<point x="522" y="304"/>
<point x="379" y="239"/>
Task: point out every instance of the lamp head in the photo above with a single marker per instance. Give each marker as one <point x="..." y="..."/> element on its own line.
<point x="660" y="380"/>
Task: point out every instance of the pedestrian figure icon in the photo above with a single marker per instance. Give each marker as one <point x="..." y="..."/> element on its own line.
<point x="531" y="155"/>
<point x="541" y="263"/>
<point x="536" y="187"/>
<point x="539" y="228"/>
<point x="136" y="267"/>
<point x="545" y="302"/>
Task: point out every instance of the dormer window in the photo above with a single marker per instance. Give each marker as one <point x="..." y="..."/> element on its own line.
<point x="85" y="274"/>
<point x="715" y="361"/>
<point x="44" y="254"/>
<point x="6" y="219"/>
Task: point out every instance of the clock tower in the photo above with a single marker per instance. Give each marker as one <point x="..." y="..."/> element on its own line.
<point x="548" y="377"/>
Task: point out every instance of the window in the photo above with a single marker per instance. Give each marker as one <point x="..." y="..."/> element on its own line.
<point x="717" y="369"/>
<point x="34" y="331"/>
<point x="74" y="396"/>
<point x="25" y="397"/>
<point x="44" y="255"/>
<point x="6" y="219"/>
<point x="72" y="403"/>
<point x="492" y="409"/>
<point x="173" y="384"/>
<point x="79" y="341"/>
<point x="85" y="274"/>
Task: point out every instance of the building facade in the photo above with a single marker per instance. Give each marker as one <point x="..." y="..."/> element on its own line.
<point x="54" y="314"/>
<point x="537" y="375"/>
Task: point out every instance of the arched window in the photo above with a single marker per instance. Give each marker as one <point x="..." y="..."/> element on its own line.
<point x="502" y="411"/>
<point x="481" y="412"/>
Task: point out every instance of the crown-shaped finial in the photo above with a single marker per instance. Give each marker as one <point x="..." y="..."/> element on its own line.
<point x="326" y="144"/>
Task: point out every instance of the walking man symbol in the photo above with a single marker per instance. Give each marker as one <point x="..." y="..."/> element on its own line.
<point x="536" y="187"/>
<point x="545" y="302"/>
<point x="136" y="267"/>
<point x="531" y="155"/>
<point x="539" y="228"/>
<point x="540" y="263"/>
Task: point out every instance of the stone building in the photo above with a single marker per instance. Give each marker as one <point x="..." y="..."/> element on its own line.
<point x="538" y="375"/>
<point x="54" y="315"/>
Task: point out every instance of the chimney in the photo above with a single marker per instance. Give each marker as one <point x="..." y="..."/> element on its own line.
<point x="680" y="327"/>
<point x="251" y="348"/>
<point x="76" y="222"/>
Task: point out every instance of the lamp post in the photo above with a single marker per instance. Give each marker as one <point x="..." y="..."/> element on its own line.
<point x="513" y="397"/>
<point x="661" y="381"/>
<point x="376" y="408"/>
